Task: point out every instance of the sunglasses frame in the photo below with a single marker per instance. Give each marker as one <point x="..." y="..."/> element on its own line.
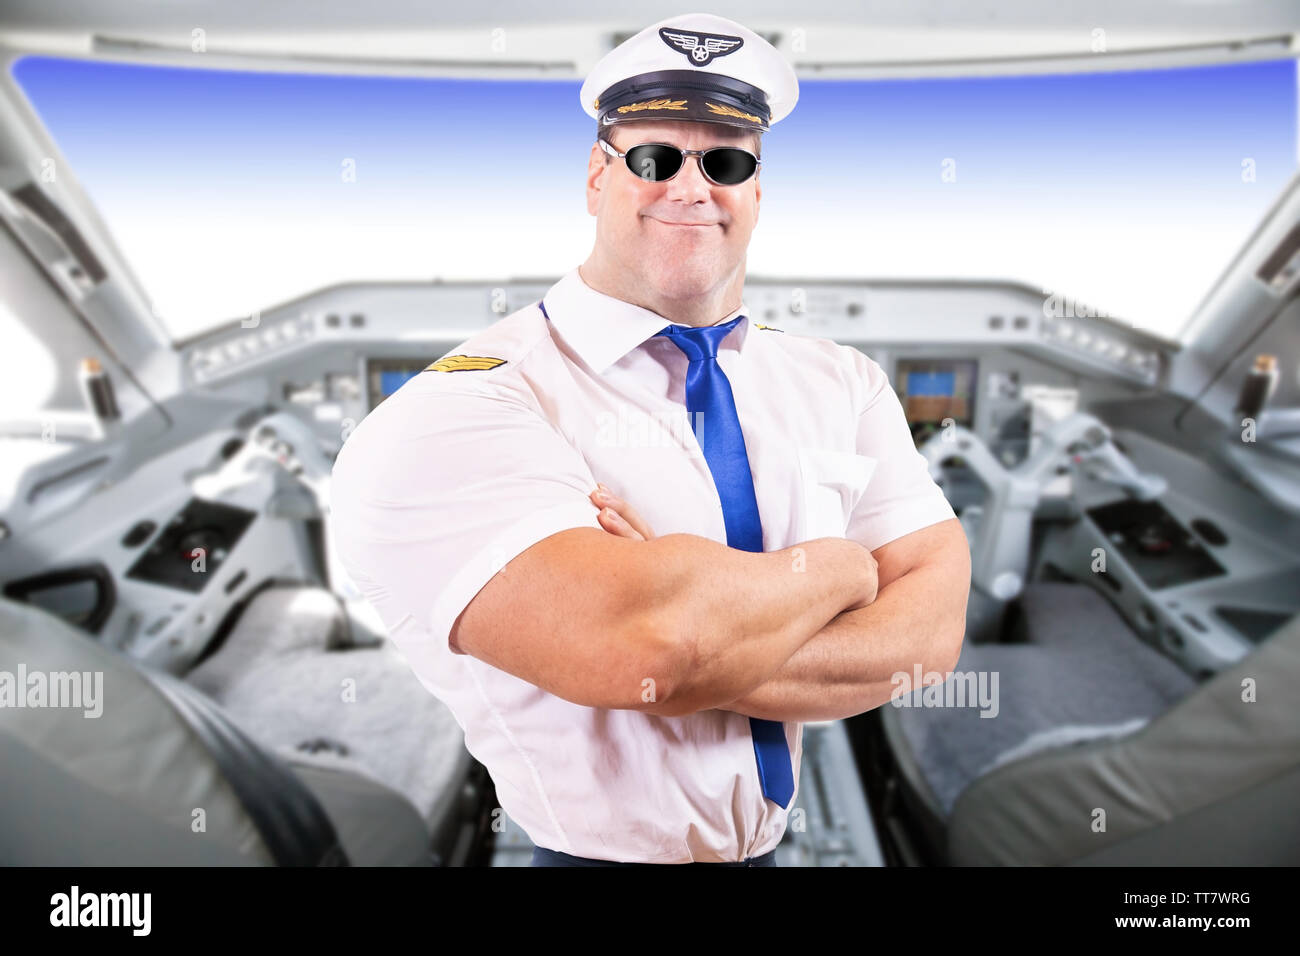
<point x="701" y="153"/>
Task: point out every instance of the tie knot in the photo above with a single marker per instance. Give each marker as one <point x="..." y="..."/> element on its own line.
<point x="699" y="342"/>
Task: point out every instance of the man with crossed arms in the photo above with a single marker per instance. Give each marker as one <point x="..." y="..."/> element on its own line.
<point x="640" y="698"/>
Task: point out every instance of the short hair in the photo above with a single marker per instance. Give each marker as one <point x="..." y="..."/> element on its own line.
<point x="606" y="132"/>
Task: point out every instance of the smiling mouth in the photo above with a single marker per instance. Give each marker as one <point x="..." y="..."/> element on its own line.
<point x="695" y="224"/>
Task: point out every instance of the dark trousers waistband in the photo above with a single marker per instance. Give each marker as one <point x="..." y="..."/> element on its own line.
<point x="545" y="857"/>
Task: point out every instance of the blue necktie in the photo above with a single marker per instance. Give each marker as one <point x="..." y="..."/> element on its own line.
<point x="713" y="408"/>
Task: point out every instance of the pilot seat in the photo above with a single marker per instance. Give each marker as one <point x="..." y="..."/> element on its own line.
<point x="1101" y="751"/>
<point x="288" y="746"/>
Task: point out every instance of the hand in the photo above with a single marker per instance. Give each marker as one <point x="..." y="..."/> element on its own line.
<point x="618" y="517"/>
<point x="871" y="581"/>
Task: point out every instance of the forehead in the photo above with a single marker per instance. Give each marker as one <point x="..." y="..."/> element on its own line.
<point x="681" y="133"/>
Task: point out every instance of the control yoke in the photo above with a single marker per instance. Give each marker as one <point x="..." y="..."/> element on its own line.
<point x="999" y="532"/>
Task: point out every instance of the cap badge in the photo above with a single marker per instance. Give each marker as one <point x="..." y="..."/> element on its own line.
<point x="700" y="48"/>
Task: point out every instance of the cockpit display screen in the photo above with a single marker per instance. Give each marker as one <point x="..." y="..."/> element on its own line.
<point x="933" y="390"/>
<point x="385" y="376"/>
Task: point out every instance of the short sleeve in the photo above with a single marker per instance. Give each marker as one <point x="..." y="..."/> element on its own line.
<point x="901" y="497"/>
<point x="439" y="488"/>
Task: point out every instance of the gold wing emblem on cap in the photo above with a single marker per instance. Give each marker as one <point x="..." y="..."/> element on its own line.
<point x="724" y="110"/>
<point x="770" y="328"/>
<point x="465" y="363"/>
<point x="660" y="104"/>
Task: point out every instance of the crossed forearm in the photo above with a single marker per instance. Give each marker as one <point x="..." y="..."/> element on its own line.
<point x="805" y="666"/>
<point x="848" y="666"/>
<point x="734" y="617"/>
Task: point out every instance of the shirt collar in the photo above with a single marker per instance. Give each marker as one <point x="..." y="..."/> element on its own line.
<point x="602" y="329"/>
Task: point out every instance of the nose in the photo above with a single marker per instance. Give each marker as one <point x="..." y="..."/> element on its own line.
<point x="690" y="184"/>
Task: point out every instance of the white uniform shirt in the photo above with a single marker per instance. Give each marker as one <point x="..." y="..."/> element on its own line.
<point x="457" y="472"/>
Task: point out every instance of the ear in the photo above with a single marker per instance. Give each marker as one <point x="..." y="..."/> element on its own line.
<point x="596" y="167"/>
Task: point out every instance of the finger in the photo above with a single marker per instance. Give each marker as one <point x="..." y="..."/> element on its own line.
<point x="602" y="497"/>
<point x="626" y="511"/>
<point x="613" y="522"/>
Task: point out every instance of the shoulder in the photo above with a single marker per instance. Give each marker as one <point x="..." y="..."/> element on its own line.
<point x="490" y="363"/>
<point x="494" y="356"/>
<point x="482" y="376"/>
<point x="808" y="355"/>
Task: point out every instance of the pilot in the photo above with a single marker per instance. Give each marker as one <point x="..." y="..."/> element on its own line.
<point x="631" y="536"/>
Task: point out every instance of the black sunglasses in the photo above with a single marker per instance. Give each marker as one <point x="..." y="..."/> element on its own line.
<point x="660" y="162"/>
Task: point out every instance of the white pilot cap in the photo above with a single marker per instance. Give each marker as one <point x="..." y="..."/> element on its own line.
<point x="692" y="67"/>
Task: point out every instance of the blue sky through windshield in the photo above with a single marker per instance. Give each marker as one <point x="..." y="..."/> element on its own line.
<point x="229" y="192"/>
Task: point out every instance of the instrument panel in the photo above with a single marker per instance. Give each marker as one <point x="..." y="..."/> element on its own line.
<point x="978" y="354"/>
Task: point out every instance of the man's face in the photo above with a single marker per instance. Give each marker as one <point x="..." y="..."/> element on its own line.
<point x="681" y="237"/>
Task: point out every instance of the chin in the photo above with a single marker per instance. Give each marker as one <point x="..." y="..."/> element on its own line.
<point x="678" y="280"/>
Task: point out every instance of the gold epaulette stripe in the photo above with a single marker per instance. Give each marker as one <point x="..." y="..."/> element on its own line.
<point x="465" y="363"/>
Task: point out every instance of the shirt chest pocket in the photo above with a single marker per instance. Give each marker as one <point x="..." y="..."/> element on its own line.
<point x="831" y="485"/>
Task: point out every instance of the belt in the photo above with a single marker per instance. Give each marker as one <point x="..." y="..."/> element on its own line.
<point x="545" y="857"/>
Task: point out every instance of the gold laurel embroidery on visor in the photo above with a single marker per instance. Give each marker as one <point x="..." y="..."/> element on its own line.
<point x="731" y="111"/>
<point x="663" y="104"/>
<point x="465" y="363"/>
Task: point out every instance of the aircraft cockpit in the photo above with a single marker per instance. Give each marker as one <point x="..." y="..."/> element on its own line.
<point x="222" y="251"/>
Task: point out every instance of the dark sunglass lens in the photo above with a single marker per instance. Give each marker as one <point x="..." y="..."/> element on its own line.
<point x="653" y="162"/>
<point x="729" y="166"/>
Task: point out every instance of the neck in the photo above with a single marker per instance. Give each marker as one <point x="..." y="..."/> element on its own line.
<point x="707" y="307"/>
